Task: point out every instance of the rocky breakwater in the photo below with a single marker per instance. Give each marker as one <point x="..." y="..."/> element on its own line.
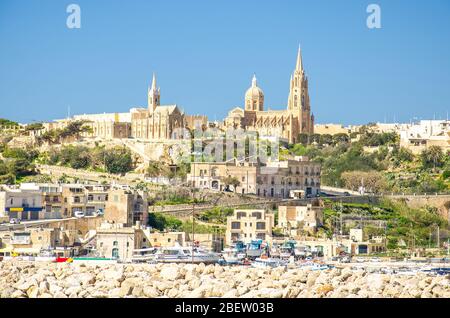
<point x="51" y="280"/>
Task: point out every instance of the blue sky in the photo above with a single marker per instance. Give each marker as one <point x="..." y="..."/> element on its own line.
<point x="205" y="52"/>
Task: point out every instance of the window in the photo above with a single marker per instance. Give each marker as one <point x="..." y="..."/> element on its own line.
<point x="115" y="243"/>
<point x="235" y="225"/>
<point x="241" y="215"/>
<point x="257" y="215"/>
<point x="115" y="253"/>
<point x="261" y="225"/>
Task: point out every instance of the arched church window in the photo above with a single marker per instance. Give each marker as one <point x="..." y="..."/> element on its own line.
<point x="295" y="101"/>
<point x="303" y="100"/>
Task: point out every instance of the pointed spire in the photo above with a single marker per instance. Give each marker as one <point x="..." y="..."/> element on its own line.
<point x="254" y="84"/>
<point x="154" y="81"/>
<point x="299" y="65"/>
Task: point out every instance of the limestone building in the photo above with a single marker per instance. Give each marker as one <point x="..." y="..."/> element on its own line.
<point x="126" y="207"/>
<point x="286" y="124"/>
<point x="247" y="225"/>
<point x="294" y="219"/>
<point x="272" y="179"/>
<point x="118" y="242"/>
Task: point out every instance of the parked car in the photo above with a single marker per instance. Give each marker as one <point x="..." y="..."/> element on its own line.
<point x="79" y="214"/>
<point x="14" y="221"/>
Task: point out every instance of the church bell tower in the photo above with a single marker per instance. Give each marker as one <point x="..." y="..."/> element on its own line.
<point x="154" y="95"/>
<point x="298" y="101"/>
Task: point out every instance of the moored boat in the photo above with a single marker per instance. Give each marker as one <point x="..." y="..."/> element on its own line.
<point x="183" y="254"/>
<point x="144" y="255"/>
<point x="268" y="262"/>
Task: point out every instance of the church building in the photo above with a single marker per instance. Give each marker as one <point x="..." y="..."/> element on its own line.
<point x="286" y="124"/>
<point x="156" y="122"/>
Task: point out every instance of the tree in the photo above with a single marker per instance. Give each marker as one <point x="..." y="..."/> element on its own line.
<point x="118" y="160"/>
<point x="325" y="139"/>
<point x="371" y="139"/>
<point x="18" y="163"/>
<point x="373" y="181"/>
<point x="405" y="155"/>
<point x="161" y="222"/>
<point x="157" y="169"/>
<point x="446" y="175"/>
<point x="7" y="122"/>
<point x="341" y="137"/>
<point x="432" y="157"/>
<point x="34" y="126"/>
<point x="303" y="139"/>
<point x="77" y="157"/>
<point x="231" y="181"/>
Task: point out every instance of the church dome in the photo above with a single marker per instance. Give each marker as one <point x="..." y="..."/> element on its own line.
<point x="254" y="92"/>
<point x="254" y="97"/>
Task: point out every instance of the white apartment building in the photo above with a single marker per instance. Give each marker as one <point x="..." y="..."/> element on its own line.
<point x="20" y="203"/>
<point x="425" y="133"/>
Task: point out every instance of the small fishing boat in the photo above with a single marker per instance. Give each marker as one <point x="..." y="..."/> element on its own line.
<point x="232" y="256"/>
<point x="144" y="255"/>
<point x="314" y="266"/>
<point x="286" y="252"/>
<point x="181" y="254"/>
<point x="268" y="262"/>
<point x="255" y="249"/>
